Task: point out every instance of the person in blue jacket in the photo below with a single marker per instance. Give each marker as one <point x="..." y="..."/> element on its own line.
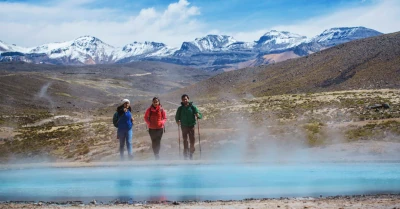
<point x="125" y="125"/>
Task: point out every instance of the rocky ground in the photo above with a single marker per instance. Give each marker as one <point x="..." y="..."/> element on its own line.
<point x="337" y="202"/>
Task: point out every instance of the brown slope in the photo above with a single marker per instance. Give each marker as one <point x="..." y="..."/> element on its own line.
<point x="77" y="88"/>
<point x="362" y="64"/>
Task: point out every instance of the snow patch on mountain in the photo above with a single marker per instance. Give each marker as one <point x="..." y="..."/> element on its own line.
<point x="335" y="33"/>
<point x="4" y="47"/>
<point x="145" y="49"/>
<point x="279" y="40"/>
<point x="163" y="52"/>
<point x="240" y="46"/>
<point x="339" y="35"/>
<point x="209" y="43"/>
<point x="213" y="42"/>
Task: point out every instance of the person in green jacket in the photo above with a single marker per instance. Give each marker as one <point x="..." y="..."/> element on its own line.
<point x="186" y="116"/>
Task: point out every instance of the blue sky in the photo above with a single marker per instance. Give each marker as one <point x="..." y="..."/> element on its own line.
<point x="30" y="23"/>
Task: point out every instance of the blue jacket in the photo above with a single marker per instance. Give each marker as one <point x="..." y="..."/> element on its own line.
<point x="125" y="121"/>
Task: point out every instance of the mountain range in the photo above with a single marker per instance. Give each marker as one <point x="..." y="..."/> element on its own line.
<point x="212" y="52"/>
<point x="369" y="63"/>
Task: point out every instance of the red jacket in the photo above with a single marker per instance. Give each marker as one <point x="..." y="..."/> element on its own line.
<point x="155" y="117"/>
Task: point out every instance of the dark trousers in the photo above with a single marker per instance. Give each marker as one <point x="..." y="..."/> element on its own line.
<point x="188" y="131"/>
<point x="156" y="135"/>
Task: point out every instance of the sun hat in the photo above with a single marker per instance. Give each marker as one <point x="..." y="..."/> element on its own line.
<point x="125" y="100"/>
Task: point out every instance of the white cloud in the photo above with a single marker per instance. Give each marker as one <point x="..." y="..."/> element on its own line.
<point x="29" y="25"/>
<point x="383" y="16"/>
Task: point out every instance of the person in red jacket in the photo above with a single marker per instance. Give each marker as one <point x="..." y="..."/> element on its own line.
<point x="155" y="118"/>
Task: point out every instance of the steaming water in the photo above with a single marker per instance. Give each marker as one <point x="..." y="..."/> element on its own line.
<point x="199" y="182"/>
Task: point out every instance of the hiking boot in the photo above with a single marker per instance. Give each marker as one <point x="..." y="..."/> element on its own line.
<point x="130" y="157"/>
<point x="157" y="157"/>
<point x="185" y="154"/>
<point x="191" y="156"/>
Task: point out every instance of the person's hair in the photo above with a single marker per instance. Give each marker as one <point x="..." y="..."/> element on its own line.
<point x="121" y="107"/>
<point x="156" y="98"/>
<point x="185" y="95"/>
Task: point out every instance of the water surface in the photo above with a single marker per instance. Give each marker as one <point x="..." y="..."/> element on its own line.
<point x="199" y="182"/>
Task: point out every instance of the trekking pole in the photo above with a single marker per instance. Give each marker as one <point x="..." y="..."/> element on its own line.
<point x="198" y="131"/>
<point x="179" y="142"/>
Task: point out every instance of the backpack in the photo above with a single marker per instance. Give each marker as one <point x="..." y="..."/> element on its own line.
<point x="116" y="119"/>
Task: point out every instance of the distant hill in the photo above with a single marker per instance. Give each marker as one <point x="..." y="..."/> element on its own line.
<point x="371" y="63"/>
<point x="25" y="86"/>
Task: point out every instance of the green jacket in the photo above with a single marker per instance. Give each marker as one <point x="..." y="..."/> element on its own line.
<point x="187" y="114"/>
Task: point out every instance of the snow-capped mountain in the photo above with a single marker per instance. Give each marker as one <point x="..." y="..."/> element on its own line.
<point x="336" y="36"/>
<point x="241" y="46"/>
<point x="278" y="41"/>
<point x="91" y="50"/>
<point x="209" y="43"/>
<point x="332" y="37"/>
<point x="146" y="49"/>
<point x="209" y="52"/>
<point x="85" y="49"/>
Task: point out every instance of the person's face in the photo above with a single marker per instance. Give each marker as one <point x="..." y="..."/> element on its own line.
<point x="126" y="105"/>
<point x="185" y="100"/>
<point x="156" y="102"/>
